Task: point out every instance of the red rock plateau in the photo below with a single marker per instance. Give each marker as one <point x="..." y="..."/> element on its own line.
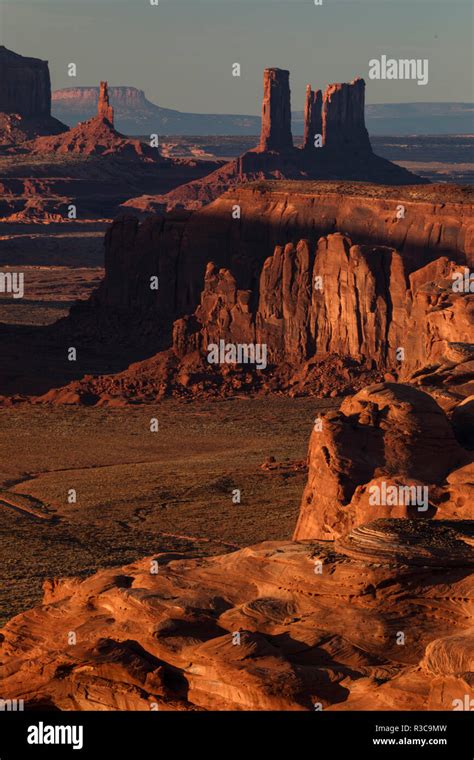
<point x="335" y="311"/>
<point x="435" y="221"/>
<point x="377" y="617"/>
<point x="349" y="286"/>
<point x="25" y="99"/>
<point x="336" y="146"/>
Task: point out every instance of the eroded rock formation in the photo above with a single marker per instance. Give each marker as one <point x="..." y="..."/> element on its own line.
<point x="96" y="136"/>
<point x="104" y="109"/>
<point x="335" y="298"/>
<point x="344" y="151"/>
<point x="136" y="115"/>
<point x="25" y="99"/>
<point x="387" y="435"/>
<point x="444" y="316"/>
<point x="330" y="318"/>
<point x="335" y="311"/>
<point x="277" y="626"/>
<point x="276" y="111"/>
<point x="275" y="213"/>
<point x="343" y="118"/>
<point x="25" y="85"/>
<point x="355" y="296"/>
<point x="377" y="615"/>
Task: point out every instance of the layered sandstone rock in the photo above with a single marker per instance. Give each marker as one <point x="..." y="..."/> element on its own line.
<point x="330" y="319"/>
<point x="334" y="315"/>
<point x="439" y="354"/>
<point x="445" y="316"/>
<point x="344" y="151"/>
<point x="387" y="435"/>
<point x="436" y="222"/>
<point x="380" y="620"/>
<point x="335" y="299"/>
<point x="284" y="309"/>
<point x="223" y="314"/>
<point x="343" y="118"/>
<point x="376" y="615"/>
<point x="276" y="111"/>
<point x="357" y="295"/>
<point x="94" y="138"/>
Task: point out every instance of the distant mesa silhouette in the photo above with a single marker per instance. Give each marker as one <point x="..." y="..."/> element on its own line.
<point x="136" y="114"/>
<point x="97" y="136"/>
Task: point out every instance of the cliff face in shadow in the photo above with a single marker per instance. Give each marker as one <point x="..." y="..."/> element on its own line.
<point x="240" y="230"/>
<point x="301" y="254"/>
<point x="25" y="99"/>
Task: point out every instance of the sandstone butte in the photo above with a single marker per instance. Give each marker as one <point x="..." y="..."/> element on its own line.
<point x="106" y="167"/>
<point x="25" y="99"/>
<point x="387" y="284"/>
<point x="342" y="149"/>
<point x="371" y="608"/>
<point x="96" y="136"/>
<point x="368" y="606"/>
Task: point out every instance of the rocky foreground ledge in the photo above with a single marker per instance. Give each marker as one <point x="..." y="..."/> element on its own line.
<point x="378" y="620"/>
<point x="371" y="609"/>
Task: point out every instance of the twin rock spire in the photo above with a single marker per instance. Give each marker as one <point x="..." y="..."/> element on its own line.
<point x="337" y="115"/>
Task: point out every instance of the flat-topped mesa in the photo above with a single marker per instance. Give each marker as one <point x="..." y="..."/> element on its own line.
<point x="343" y="119"/>
<point x="104" y="109"/>
<point x="25" y="85"/>
<point x="312" y="117"/>
<point x="276" y="111"/>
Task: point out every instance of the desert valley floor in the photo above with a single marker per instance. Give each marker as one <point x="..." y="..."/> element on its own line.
<point x="141" y="492"/>
<point x="236" y="410"/>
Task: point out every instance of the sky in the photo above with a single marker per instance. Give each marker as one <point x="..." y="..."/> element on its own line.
<point x="181" y="52"/>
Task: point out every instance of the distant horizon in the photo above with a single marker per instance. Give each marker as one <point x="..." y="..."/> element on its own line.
<point x="183" y="51"/>
<point x="401" y="118"/>
<point x="238" y="113"/>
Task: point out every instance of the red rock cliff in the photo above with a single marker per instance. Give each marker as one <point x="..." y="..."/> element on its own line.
<point x="25" y="86"/>
<point x="387" y="433"/>
<point x="276" y="111"/>
<point x="334" y="298"/>
<point x="179" y="249"/>
<point x="343" y="118"/>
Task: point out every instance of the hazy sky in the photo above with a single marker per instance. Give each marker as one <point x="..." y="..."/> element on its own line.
<point x="181" y="52"/>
